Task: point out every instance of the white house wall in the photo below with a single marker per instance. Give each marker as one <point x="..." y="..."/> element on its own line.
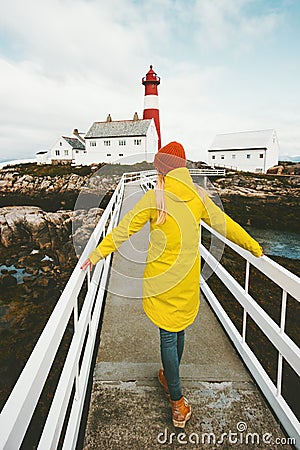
<point x="64" y="148"/>
<point x="273" y="151"/>
<point x="42" y="158"/>
<point x="124" y="150"/>
<point x="152" y="142"/>
<point x="239" y="159"/>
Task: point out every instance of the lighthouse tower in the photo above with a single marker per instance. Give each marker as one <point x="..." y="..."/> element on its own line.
<point x="151" y="111"/>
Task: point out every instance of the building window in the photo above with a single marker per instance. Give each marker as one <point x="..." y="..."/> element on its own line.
<point x="66" y="152"/>
<point x="261" y="155"/>
<point x="57" y="152"/>
<point x="248" y="156"/>
<point x="258" y="170"/>
<point x="213" y="157"/>
<point x="108" y="154"/>
<point x="233" y="156"/>
<point x="222" y="157"/>
<point x="122" y="142"/>
<point x="121" y="154"/>
<point x="107" y="143"/>
<point x="92" y="143"/>
<point x="60" y="143"/>
<point x="138" y="142"/>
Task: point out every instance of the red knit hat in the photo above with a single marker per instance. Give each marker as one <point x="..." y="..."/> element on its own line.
<point x="171" y="156"/>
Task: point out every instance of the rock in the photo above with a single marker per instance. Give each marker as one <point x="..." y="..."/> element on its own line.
<point x="43" y="281"/>
<point x="46" y="269"/>
<point x="7" y="281"/>
<point x="275" y="169"/>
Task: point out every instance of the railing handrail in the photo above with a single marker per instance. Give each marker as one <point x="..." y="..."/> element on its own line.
<point x="276" y="334"/>
<point x="19" y="408"/>
<point x="202" y="171"/>
<point x="277" y="273"/>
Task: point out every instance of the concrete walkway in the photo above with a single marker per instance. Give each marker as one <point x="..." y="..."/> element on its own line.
<point x="128" y="408"/>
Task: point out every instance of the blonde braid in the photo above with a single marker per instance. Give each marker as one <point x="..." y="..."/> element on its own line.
<point x="160" y="199"/>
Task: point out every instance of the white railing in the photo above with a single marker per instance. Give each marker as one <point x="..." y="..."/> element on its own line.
<point x="21" y="404"/>
<point x="287" y="349"/>
<point x="208" y="172"/>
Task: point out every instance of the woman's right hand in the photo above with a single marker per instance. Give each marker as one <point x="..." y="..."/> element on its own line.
<point x="87" y="263"/>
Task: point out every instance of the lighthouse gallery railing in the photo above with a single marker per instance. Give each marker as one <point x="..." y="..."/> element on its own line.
<point x="18" y="410"/>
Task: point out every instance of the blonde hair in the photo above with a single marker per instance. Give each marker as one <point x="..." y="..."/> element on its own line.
<point x="160" y="198"/>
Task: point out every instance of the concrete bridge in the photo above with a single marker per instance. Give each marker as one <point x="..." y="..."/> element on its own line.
<point x="235" y="403"/>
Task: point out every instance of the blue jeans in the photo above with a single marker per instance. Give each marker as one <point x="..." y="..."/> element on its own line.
<point x="171" y="349"/>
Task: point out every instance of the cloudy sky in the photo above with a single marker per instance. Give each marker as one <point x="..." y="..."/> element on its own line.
<point x="225" y="66"/>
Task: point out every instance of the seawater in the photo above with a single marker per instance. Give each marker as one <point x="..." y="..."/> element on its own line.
<point x="20" y="273"/>
<point x="277" y="243"/>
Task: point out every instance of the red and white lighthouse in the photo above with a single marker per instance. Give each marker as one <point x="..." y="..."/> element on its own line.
<point x="151" y="110"/>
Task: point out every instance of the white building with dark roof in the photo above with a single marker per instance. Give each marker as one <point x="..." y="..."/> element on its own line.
<point x="249" y="151"/>
<point x="64" y="149"/>
<point x="42" y="157"/>
<point x="112" y="141"/>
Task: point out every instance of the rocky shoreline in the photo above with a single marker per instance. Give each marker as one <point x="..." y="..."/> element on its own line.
<point x="251" y="199"/>
<point x="261" y="201"/>
<point x="38" y="240"/>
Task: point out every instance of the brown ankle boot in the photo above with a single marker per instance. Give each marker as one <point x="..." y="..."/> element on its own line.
<point x="181" y="412"/>
<point x="162" y="379"/>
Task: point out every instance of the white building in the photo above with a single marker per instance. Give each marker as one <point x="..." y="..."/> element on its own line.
<point x="63" y="151"/>
<point x="127" y="141"/>
<point x="249" y="151"/>
<point x="42" y="157"/>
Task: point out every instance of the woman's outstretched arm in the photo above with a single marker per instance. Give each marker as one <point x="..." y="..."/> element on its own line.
<point x="223" y="224"/>
<point x="131" y="223"/>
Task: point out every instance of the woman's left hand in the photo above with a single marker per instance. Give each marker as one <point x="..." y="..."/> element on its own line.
<point x="87" y="263"/>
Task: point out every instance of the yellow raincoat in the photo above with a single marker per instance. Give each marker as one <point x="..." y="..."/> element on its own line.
<point x="171" y="291"/>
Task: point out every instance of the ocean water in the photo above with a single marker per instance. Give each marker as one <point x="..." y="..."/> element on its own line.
<point x="277" y="243"/>
<point x="20" y="273"/>
<point x="5" y="162"/>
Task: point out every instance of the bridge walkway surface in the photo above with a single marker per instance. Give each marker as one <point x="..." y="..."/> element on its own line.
<point x="128" y="409"/>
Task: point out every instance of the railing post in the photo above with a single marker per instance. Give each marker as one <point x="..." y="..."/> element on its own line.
<point x="279" y="375"/>
<point x="75" y="318"/>
<point x="247" y="276"/>
<point x="282" y="327"/>
<point x="244" y="326"/>
<point x="283" y="311"/>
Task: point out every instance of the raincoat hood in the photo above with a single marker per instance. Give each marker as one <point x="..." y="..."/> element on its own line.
<point x="179" y="182"/>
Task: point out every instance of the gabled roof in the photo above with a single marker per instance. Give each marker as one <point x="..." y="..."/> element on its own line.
<point x="243" y="140"/>
<point x="120" y="128"/>
<point x="74" y="142"/>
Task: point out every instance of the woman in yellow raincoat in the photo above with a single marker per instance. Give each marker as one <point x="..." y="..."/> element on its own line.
<point x="171" y="291"/>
